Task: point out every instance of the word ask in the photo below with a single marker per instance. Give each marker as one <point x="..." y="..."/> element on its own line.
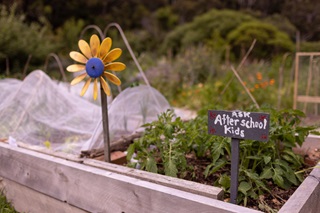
<point x="239" y="124"/>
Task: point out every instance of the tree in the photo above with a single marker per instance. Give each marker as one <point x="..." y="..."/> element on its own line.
<point x="19" y="40"/>
<point x="203" y="27"/>
<point x="270" y="40"/>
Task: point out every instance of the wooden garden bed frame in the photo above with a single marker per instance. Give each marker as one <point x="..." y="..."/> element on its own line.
<point x="37" y="182"/>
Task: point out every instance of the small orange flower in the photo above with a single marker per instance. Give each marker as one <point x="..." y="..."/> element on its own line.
<point x="264" y="84"/>
<point x="259" y="76"/>
<point x="272" y="81"/>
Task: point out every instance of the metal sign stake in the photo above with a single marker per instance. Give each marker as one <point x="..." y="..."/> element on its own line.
<point x="234" y="169"/>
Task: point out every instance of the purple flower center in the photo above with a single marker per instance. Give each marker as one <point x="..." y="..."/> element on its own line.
<point x="94" y="67"/>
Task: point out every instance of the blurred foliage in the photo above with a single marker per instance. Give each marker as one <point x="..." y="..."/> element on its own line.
<point x="283" y="24"/>
<point x="304" y="15"/>
<point x="185" y="47"/>
<point x="195" y="65"/>
<point x="261" y="78"/>
<point x="19" y="40"/>
<point x="203" y="27"/>
<point x="68" y="34"/>
<point x="310" y="46"/>
<point x="134" y="14"/>
<point x="270" y="40"/>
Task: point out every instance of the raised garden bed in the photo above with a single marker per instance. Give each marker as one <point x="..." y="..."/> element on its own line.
<point x="35" y="182"/>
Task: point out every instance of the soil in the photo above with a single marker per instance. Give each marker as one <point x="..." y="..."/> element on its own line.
<point x="267" y="202"/>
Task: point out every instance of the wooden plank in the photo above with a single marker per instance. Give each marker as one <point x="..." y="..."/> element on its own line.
<point x="44" y="150"/>
<point x="308" y="53"/>
<point x="306" y="198"/>
<point x="25" y="199"/>
<point x="308" y="99"/>
<point x="188" y="186"/>
<point x="98" y="190"/>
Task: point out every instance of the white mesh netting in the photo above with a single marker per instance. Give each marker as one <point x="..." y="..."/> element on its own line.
<point x="39" y="110"/>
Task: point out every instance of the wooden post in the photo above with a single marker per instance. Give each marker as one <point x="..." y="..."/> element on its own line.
<point x="234" y="170"/>
<point x="295" y="92"/>
<point x="105" y="125"/>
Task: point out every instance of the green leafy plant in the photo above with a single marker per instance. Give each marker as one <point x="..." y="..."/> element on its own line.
<point x="167" y="141"/>
<point x="161" y="150"/>
<point x="270" y="39"/>
<point x="273" y="161"/>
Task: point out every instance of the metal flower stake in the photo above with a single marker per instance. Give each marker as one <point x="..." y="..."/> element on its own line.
<point x="95" y="61"/>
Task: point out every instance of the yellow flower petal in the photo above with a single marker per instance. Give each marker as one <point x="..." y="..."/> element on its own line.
<point x="85" y="87"/>
<point x="115" y="66"/>
<point x="112" y="55"/>
<point x="78" y="57"/>
<point x="111" y="77"/>
<point x="105" y="86"/>
<point x="105" y="47"/>
<point x="95" y="89"/>
<point x="78" y="79"/>
<point x="94" y="45"/>
<point x="85" y="49"/>
<point x="76" y="67"/>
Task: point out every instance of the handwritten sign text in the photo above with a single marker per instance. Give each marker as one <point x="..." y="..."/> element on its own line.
<point x="239" y="124"/>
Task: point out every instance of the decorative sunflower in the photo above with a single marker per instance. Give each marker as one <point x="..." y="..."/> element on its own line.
<point x="96" y="60"/>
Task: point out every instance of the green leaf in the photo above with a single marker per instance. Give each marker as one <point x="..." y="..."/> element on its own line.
<point x="208" y="169"/>
<point x="253" y="194"/>
<point x="216" y="166"/>
<point x="253" y="157"/>
<point x="151" y="165"/>
<point x="277" y="178"/>
<point x="170" y="168"/>
<point x="283" y="164"/>
<point x="130" y="151"/>
<point x="252" y="175"/>
<point x="293" y="158"/>
<point x="224" y="181"/>
<point x="168" y="129"/>
<point x="314" y="132"/>
<point x="244" y="186"/>
<point x="267" y="173"/>
<point x="266" y="159"/>
<point x="300" y="177"/>
<point x="290" y="137"/>
<point x="292" y="178"/>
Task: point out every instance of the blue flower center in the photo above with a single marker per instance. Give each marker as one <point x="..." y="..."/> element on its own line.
<point x="94" y="67"/>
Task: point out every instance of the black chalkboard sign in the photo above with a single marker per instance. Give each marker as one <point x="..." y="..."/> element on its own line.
<point x="239" y="124"/>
